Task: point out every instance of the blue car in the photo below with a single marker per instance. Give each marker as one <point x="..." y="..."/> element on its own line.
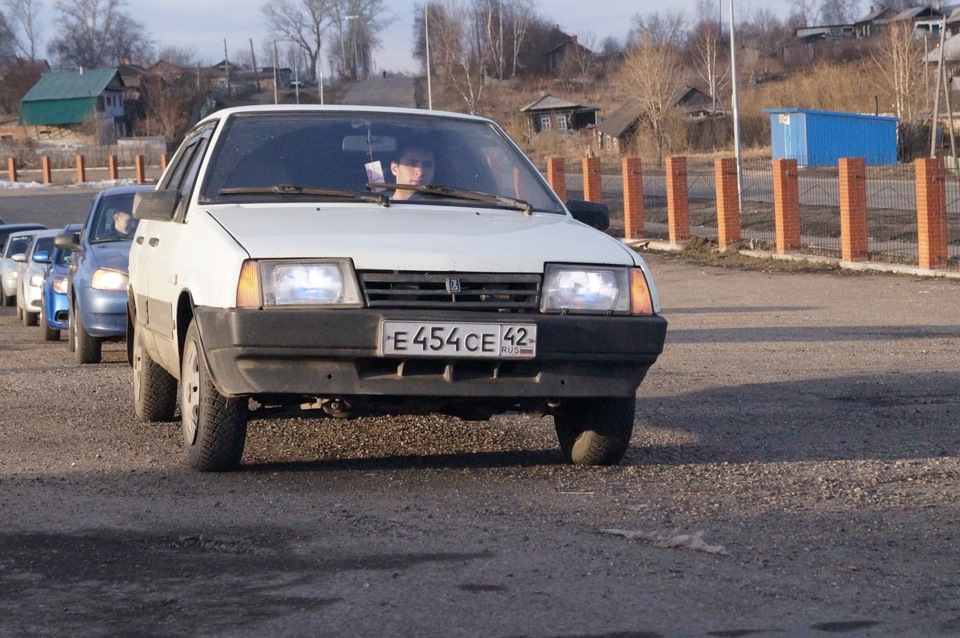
<point x="97" y="288"/>
<point x="54" y="303"/>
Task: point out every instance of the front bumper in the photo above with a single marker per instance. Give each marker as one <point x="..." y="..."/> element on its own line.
<point x="334" y="353"/>
<point x="56" y="306"/>
<point x="104" y="312"/>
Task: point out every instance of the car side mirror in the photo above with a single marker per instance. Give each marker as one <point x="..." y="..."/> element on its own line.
<point x="594" y="214"/>
<point x="42" y="257"/>
<point x="156" y="205"/>
<point x="19" y="258"/>
<point x="67" y="241"/>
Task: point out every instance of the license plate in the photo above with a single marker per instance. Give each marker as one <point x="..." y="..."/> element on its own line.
<point x="488" y="340"/>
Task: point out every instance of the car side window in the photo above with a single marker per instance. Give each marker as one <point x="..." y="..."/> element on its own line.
<point x="184" y="160"/>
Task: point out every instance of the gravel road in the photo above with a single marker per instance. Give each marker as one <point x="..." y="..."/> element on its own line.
<point x="794" y="472"/>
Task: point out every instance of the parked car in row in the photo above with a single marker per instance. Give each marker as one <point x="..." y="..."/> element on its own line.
<point x="30" y="269"/>
<point x="54" y="303"/>
<point x="97" y="286"/>
<point x="15" y="239"/>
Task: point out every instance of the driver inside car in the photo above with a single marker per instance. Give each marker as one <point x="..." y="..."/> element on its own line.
<point x="415" y="166"/>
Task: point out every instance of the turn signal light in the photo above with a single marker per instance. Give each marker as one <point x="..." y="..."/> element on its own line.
<point x="641" y="303"/>
<point x="248" y="287"/>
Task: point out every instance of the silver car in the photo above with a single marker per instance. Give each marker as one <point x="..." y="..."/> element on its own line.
<point x="30" y="268"/>
<point x="17" y="243"/>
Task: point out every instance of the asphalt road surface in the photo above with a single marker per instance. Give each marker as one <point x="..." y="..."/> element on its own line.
<point x="794" y="472"/>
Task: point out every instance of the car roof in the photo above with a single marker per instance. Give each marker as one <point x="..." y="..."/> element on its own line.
<point x="12" y="228"/>
<point x="337" y="108"/>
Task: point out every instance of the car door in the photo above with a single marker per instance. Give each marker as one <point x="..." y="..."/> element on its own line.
<point x="158" y="244"/>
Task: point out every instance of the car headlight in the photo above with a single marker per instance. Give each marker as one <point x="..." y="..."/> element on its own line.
<point x="104" y="279"/>
<point x="59" y="285"/>
<point x="595" y="290"/>
<point x="297" y="283"/>
<point x="36" y="281"/>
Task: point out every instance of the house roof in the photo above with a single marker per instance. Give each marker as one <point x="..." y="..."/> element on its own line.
<point x="915" y="12"/>
<point x="951" y="50"/>
<point x="875" y="14"/>
<point x="621" y="120"/>
<point x="61" y="85"/>
<point x="549" y="103"/>
<point x="66" y="97"/>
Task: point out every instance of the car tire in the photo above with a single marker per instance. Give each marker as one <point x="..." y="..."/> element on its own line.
<point x="8" y="300"/>
<point x="30" y="319"/>
<point x="595" y="431"/>
<point x="48" y="333"/>
<point x="71" y="326"/>
<point x="214" y="426"/>
<point x="86" y="348"/>
<point x="19" y="313"/>
<point x="154" y="389"/>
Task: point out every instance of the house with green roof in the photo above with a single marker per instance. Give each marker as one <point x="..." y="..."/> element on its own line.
<point x="70" y="100"/>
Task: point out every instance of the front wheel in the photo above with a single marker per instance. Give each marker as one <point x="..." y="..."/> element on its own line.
<point x="86" y="347"/>
<point x="214" y="426"/>
<point x="30" y="319"/>
<point x="48" y="333"/>
<point x="7" y="300"/>
<point x="595" y="431"/>
<point x="154" y="389"/>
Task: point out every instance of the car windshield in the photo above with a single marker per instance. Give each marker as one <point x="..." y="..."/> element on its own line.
<point x="17" y="245"/>
<point x="112" y="220"/>
<point x="296" y="155"/>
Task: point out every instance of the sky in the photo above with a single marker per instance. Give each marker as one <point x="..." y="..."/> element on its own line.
<point x="202" y="25"/>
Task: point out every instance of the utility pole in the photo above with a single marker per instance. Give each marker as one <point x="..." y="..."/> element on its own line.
<point x="226" y="65"/>
<point x="736" y="109"/>
<point x="426" y="32"/>
<point x="256" y="71"/>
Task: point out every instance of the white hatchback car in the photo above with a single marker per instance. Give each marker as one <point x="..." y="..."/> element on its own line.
<point x="30" y="268"/>
<point x="16" y="243"/>
<point x="355" y="260"/>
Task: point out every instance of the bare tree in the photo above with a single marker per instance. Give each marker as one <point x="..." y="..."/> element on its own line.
<point x="170" y="103"/>
<point x="654" y="74"/>
<point x="658" y="29"/>
<point x="96" y="33"/>
<point x="8" y="41"/>
<point x="839" y="11"/>
<point x="708" y="48"/>
<point x="24" y="16"/>
<point x="302" y="23"/>
<point x="804" y="12"/>
<point x="898" y="58"/>
<point x="356" y="25"/>
<point x="454" y="53"/>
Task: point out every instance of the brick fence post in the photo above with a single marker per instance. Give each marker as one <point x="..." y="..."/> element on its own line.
<point x="12" y="168"/>
<point x="592" y="180"/>
<point x="853" y="209"/>
<point x="112" y="172"/>
<point x="81" y="169"/>
<point x="633" y="220"/>
<point x="786" y="203"/>
<point x="931" y="213"/>
<point x="678" y="202"/>
<point x="141" y="168"/>
<point x="163" y="161"/>
<point x="728" y="201"/>
<point x="557" y="176"/>
<point x="46" y="170"/>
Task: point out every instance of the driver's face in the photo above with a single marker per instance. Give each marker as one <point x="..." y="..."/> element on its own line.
<point x="415" y="167"/>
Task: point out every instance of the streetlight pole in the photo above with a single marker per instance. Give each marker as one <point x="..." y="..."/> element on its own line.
<point x="356" y="70"/>
<point x="736" y="109"/>
<point x="426" y="32"/>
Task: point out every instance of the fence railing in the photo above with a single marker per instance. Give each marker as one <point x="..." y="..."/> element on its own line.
<point x="897" y="226"/>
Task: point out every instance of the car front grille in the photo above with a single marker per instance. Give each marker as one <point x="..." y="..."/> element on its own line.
<point x="495" y="292"/>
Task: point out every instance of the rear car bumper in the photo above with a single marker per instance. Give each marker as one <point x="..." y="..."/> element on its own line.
<point x="335" y="352"/>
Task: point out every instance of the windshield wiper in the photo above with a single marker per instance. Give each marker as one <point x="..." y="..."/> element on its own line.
<point x="293" y="189"/>
<point x="456" y="193"/>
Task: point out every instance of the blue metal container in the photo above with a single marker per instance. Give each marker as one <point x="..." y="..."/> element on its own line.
<point x="822" y="138"/>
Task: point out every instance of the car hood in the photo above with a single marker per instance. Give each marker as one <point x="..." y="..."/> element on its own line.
<point x="410" y="237"/>
<point x="113" y="255"/>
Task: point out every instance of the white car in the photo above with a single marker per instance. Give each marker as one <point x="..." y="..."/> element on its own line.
<point x="30" y="268"/>
<point x="15" y="242"/>
<point x="356" y="260"/>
